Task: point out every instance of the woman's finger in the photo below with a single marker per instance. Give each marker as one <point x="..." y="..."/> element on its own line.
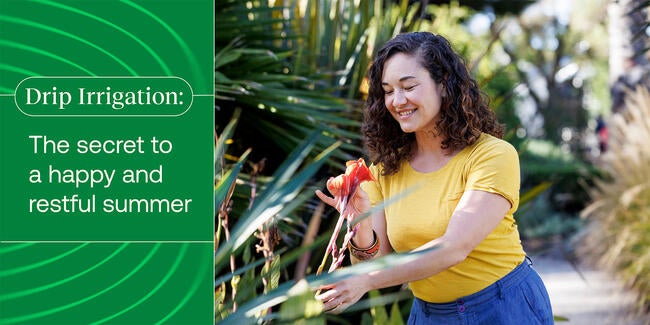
<point x="327" y="295"/>
<point x="328" y="305"/>
<point x="338" y="309"/>
<point x="328" y="200"/>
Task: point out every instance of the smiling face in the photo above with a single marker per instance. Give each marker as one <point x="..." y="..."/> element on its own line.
<point x="410" y="95"/>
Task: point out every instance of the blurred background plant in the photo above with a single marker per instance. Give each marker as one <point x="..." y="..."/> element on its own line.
<point x="289" y="85"/>
<point x="618" y="236"/>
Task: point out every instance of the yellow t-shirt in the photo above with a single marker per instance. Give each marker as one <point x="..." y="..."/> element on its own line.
<point x="490" y="165"/>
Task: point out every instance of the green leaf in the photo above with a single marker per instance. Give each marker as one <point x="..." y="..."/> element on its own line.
<point x="378" y="312"/>
<point x="272" y="274"/>
<point x="220" y="294"/>
<point x="246" y="313"/>
<point x="226" y="56"/>
<point x="396" y="315"/>
<point x="279" y="193"/>
<point x="226" y="183"/>
<point x="366" y="319"/>
<point x="220" y="146"/>
<point x="249" y="266"/>
<point x="301" y="304"/>
<point x="534" y="192"/>
<point x="560" y="318"/>
<point x="383" y="300"/>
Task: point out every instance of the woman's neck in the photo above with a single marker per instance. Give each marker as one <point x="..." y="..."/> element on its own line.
<point x="428" y="143"/>
<point x="428" y="154"/>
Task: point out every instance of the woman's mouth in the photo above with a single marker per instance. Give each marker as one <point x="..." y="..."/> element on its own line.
<point x="406" y="113"/>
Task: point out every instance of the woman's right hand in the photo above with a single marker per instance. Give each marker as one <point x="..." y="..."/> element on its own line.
<point x="358" y="202"/>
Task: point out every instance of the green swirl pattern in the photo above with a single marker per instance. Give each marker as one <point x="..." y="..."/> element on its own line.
<point x="78" y="268"/>
<point x="100" y="283"/>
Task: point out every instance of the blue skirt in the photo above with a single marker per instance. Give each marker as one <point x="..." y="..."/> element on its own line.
<point x="518" y="298"/>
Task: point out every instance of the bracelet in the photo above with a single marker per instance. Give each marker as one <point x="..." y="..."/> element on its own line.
<point x="365" y="253"/>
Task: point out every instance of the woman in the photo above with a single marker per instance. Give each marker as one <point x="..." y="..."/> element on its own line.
<point x="428" y="129"/>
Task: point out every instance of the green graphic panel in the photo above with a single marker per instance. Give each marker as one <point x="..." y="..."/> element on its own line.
<point x="91" y="170"/>
<point x="106" y="202"/>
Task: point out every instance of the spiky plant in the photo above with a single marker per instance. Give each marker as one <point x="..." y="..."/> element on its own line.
<point x="618" y="237"/>
<point x="284" y="70"/>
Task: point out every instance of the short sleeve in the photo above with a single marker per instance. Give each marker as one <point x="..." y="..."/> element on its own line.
<point x="373" y="188"/>
<point x="494" y="168"/>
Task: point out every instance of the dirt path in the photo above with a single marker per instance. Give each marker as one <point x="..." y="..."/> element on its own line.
<point x="597" y="299"/>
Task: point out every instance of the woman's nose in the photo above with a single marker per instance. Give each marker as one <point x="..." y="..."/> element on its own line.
<point x="399" y="98"/>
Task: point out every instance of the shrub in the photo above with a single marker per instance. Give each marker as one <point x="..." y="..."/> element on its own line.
<point x="618" y="236"/>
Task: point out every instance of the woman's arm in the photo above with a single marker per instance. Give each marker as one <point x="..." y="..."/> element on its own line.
<point x="364" y="237"/>
<point x="477" y="214"/>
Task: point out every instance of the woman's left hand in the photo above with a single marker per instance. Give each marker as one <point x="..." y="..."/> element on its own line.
<point x="338" y="296"/>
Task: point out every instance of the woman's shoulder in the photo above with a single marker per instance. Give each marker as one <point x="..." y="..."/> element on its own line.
<point x="377" y="169"/>
<point x="487" y="141"/>
<point x="490" y="145"/>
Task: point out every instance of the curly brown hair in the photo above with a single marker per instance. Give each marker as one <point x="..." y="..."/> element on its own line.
<point x="464" y="111"/>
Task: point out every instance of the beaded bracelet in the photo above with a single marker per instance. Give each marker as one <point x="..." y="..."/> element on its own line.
<point x="365" y="253"/>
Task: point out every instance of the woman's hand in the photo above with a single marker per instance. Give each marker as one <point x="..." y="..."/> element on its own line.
<point x="348" y="199"/>
<point x="343" y="294"/>
<point x="358" y="203"/>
